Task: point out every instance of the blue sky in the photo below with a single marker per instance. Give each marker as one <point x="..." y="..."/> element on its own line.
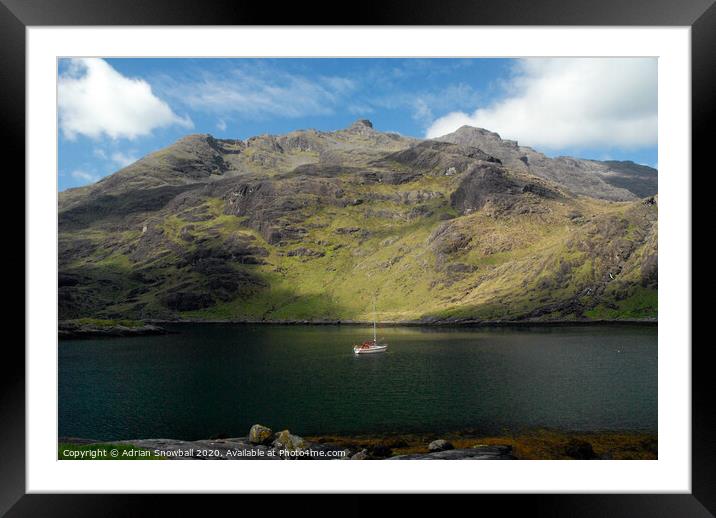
<point x="114" y="111"/>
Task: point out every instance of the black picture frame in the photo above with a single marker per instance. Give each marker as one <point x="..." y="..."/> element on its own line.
<point x="16" y="15"/>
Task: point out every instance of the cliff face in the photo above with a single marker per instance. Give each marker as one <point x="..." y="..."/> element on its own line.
<point x="610" y="180"/>
<point x="311" y="225"/>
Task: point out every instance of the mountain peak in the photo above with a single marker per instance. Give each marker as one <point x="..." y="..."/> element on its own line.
<point x="361" y="124"/>
<point x="465" y="129"/>
<point x="489" y="141"/>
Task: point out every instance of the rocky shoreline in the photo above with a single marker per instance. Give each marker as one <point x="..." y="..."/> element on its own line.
<point x="421" y="323"/>
<point x="73" y="330"/>
<point x="262" y="443"/>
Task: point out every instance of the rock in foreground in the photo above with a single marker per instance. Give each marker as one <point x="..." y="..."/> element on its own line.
<point x="285" y="440"/>
<point x="440" y="445"/>
<point x="580" y="450"/>
<point x="260" y="434"/>
<point x="497" y="452"/>
<point x="289" y="446"/>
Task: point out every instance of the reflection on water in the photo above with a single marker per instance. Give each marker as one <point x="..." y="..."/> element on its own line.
<point x="220" y="379"/>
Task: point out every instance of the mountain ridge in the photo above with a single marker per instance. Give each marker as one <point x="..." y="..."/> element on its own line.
<point x="309" y="225"/>
<point x="601" y="179"/>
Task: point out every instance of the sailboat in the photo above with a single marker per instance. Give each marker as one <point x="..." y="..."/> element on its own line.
<point x="371" y="346"/>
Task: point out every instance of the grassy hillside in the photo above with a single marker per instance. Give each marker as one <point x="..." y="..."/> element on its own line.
<point x="435" y="232"/>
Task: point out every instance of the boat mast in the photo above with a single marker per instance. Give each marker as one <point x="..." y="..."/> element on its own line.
<point x="375" y="336"/>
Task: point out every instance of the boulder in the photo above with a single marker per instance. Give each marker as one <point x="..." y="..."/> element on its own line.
<point x="578" y="449"/>
<point x="651" y="445"/>
<point x="380" y="451"/>
<point x="440" y="445"/>
<point x="361" y="455"/>
<point x="285" y="440"/>
<point x="260" y="434"/>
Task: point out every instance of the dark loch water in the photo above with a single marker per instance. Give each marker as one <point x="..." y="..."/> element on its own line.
<point x="220" y="379"/>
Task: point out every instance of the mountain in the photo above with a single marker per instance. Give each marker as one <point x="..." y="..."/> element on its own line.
<point x="313" y="225"/>
<point x="611" y="180"/>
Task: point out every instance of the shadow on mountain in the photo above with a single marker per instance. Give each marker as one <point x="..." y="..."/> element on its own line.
<point x="228" y="293"/>
<point x="104" y="207"/>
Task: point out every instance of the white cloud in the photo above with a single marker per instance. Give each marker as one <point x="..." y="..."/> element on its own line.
<point x="571" y="102"/>
<point x="123" y="159"/>
<point x="95" y="100"/>
<point x="84" y="176"/>
<point x="258" y="92"/>
<point x="221" y="125"/>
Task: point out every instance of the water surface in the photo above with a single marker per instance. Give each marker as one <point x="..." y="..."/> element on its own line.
<point x="208" y="380"/>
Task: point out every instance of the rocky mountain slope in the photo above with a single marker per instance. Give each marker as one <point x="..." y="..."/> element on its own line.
<point x="312" y="225"/>
<point x="611" y="180"/>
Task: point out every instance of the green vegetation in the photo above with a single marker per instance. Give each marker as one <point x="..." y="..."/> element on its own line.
<point x="512" y="267"/>
<point x="105" y="323"/>
<point x="642" y="303"/>
<point x="314" y="226"/>
<point x="526" y="445"/>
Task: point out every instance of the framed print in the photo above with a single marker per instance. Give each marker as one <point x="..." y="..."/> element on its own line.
<point x="432" y="235"/>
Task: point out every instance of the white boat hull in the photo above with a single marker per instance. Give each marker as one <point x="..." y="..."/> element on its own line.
<point x="370" y="350"/>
